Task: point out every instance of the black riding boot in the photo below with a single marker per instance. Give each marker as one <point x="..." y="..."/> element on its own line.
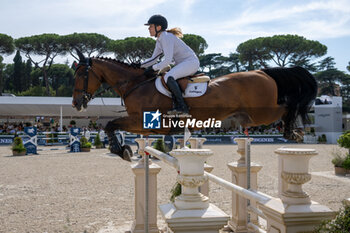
<point x="180" y="106"/>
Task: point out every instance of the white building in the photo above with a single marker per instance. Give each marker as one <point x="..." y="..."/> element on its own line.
<point x="328" y="118"/>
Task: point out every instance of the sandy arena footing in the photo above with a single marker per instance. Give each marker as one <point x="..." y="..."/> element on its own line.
<point x="57" y="191"/>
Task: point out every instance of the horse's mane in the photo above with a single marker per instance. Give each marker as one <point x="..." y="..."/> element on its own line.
<point x="115" y="61"/>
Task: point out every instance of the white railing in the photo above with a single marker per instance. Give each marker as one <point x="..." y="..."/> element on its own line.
<point x="293" y="170"/>
<point x="251" y="195"/>
<point x="170" y="160"/>
<point x="246" y="193"/>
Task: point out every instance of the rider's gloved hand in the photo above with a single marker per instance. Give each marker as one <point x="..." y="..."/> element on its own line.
<point x="136" y="64"/>
<point x="149" y="72"/>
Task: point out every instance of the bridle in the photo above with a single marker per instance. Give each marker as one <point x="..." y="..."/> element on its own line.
<point x="88" y="96"/>
<point x="88" y="67"/>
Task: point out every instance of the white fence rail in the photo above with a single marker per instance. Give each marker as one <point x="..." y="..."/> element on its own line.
<point x="246" y="193"/>
<point x="293" y="170"/>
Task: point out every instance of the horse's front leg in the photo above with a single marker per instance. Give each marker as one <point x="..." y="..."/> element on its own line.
<point x="122" y="123"/>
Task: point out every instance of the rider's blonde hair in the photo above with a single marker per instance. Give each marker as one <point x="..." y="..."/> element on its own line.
<point x="176" y="31"/>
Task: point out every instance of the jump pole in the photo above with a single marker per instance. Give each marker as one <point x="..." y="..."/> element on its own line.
<point x="247" y="155"/>
<point x="61" y="119"/>
<point x="146" y="188"/>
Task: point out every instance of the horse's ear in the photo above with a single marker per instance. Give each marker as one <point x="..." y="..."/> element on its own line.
<point x="81" y="55"/>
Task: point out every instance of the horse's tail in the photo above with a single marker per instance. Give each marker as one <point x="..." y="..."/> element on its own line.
<point x="297" y="90"/>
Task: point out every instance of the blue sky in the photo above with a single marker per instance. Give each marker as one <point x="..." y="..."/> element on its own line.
<point x="224" y="24"/>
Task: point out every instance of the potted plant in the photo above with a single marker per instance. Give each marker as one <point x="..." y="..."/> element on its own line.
<point x="312" y="131"/>
<point x="85" y="145"/>
<point x="338" y="161"/>
<point x="159" y="145"/>
<point x="98" y="144"/>
<point x="346" y="164"/>
<point x="18" y="147"/>
<point x="344" y="140"/>
<point x="342" y="162"/>
<point x="322" y="139"/>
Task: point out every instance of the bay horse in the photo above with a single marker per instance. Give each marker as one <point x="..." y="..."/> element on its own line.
<point x="253" y="98"/>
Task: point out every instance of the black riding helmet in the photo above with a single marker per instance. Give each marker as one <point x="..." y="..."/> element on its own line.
<point x="158" y="20"/>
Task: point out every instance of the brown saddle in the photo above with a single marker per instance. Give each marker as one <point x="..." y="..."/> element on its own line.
<point x="183" y="82"/>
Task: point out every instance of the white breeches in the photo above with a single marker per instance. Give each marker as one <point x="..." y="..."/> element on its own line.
<point x="186" y="68"/>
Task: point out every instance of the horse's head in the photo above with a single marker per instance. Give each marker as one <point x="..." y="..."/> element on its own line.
<point x="87" y="82"/>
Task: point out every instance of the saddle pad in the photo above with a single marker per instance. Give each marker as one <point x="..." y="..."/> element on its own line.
<point x="192" y="90"/>
<point x="199" y="79"/>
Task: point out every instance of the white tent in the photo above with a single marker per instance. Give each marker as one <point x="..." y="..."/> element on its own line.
<point x="51" y="106"/>
<point x="28" y="106"/>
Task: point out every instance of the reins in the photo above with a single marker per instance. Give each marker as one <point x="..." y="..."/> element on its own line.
<point x="137" y="86"/>
<point x="128" y="92"/>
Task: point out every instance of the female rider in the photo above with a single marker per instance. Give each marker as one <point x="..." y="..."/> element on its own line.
<point x="174" y="51"/>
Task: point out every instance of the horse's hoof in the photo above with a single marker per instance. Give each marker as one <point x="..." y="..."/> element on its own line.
<point x="126" y="156"/>
<point x="127" y="153"/>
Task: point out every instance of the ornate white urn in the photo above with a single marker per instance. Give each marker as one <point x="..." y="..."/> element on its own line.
<point x="142" y="144"/>
<point x="197" y="143"/>
<point x="241" y="149"/>
<point x="294" y="168"/>
<point x="191" y="176"/>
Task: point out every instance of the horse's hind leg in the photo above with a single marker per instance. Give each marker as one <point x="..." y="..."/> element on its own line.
<point x="116" y="147"/>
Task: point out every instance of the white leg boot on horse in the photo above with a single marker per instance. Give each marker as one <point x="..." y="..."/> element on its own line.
<point x="180" y="106"/>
